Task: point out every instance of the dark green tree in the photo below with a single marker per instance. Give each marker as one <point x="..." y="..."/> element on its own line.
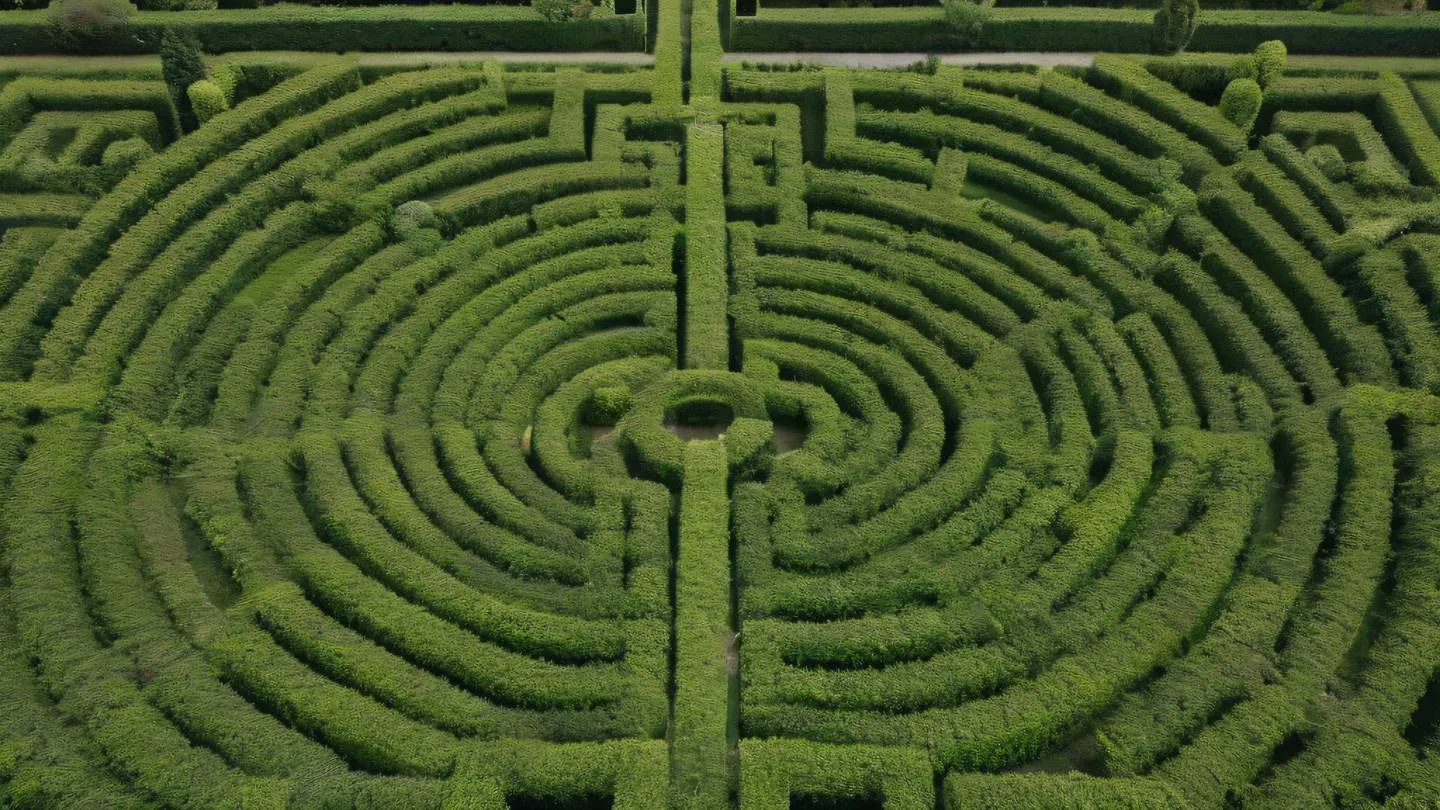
<point x="181" y="65"/>
<point x="1174" y="25"/>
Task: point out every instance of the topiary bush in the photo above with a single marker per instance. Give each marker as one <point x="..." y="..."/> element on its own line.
<point x="207" y="100"/>
<point x="1240" y="103"/>
<point x="1270" y="57"/>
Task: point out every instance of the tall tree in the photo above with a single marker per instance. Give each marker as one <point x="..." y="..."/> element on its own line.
<point x="1174" y="25"/>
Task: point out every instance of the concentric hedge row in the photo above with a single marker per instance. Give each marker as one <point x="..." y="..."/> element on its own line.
<point x="469" y="438"/>
<point x="311" y="339"/>
<point x="1112" y="414"/>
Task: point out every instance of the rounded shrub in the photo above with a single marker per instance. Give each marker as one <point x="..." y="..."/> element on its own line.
<point x="1241" y="103"/>
<point x="416" y="223"/>
<point x="1270" y="57"/>
<point x="207" y="100"/>
<point x="413" y="216"/>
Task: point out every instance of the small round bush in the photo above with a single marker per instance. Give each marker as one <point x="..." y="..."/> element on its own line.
<point x="206" y="99"/>
<point x="1241" y="103"/>
<point x="416" y="224"/>
<point x="412" y="217"/>
<point x="607" y="404"/>
<point x="1270" y="59"/>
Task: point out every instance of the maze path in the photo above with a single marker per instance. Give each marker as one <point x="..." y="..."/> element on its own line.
<point x="338" y="443"/>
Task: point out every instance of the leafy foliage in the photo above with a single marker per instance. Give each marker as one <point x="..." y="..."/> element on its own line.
<point x="1175" y="24"/>
<point x="76" y="25"/>
<point x="966" y="19"/>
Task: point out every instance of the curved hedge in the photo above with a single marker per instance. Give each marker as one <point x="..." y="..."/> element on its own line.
<point x="464" y="437"/>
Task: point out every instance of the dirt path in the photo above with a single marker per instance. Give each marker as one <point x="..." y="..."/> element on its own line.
<point x="900" y="60"/>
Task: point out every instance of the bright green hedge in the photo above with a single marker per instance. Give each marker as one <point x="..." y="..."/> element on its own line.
<point x="703" y="641"/>
<point x="707" y="336"/>
<point x="1117" y="444"/>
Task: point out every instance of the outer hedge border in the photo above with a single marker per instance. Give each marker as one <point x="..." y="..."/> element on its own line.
<point x="379" y="28"/>
<point x="913" y="29"/>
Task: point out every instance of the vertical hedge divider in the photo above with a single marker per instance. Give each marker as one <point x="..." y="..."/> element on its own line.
<point x="698" y="767"/>
<point x="706" y="341"/>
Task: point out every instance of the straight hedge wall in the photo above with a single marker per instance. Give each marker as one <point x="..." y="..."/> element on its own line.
<point x="383" y="28"/>
<point x="922" y="28"/>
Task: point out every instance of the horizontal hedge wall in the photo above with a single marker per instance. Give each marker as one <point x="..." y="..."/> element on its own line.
<point x="384" y="28"/>
<point x="923" y="28"/>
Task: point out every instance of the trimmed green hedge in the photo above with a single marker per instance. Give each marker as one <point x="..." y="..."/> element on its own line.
<point x="378" y="28"/>
<point x="1058" y="440"/>
<point x="707" y="336"/>
<point x="702" y="632"/>
<point x="923" y="28"/>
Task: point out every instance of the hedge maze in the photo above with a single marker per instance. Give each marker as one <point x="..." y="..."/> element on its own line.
<point x="479" y="438"/>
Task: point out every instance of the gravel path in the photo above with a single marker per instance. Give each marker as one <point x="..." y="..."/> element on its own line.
<point x="900" y="60"/>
